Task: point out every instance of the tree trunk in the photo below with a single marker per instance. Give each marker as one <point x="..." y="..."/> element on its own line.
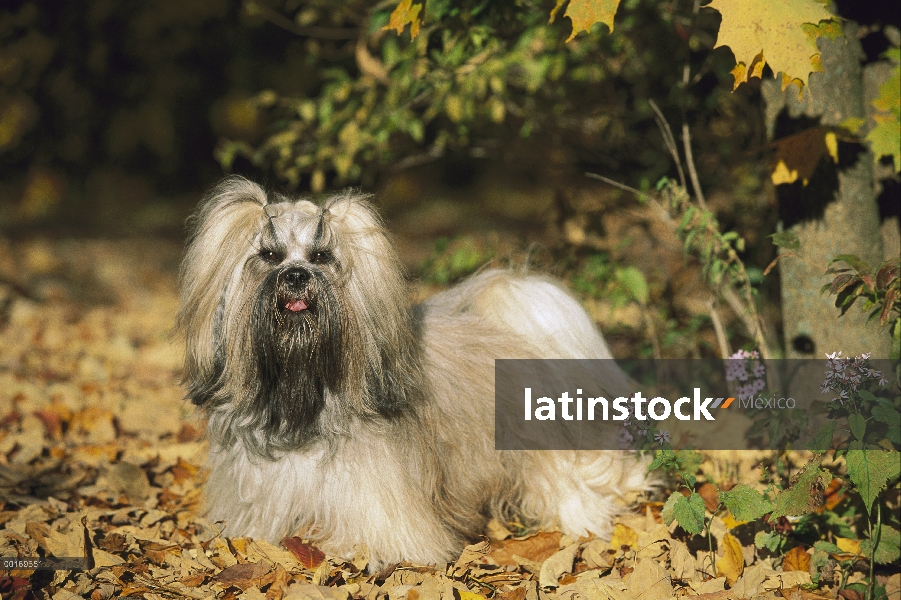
<point x="828" y="222"/>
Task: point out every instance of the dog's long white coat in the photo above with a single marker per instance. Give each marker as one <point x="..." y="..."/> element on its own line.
<point x="361" y="493"/>
<point x="409" y="485"/>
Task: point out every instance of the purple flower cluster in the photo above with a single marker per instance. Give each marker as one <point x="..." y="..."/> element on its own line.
<point x="844" y="375"/>
<point x="635" y="431"/>
<point x="746" y="367"/>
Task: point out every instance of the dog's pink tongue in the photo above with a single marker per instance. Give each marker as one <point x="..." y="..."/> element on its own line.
<point x="296" y="305"/>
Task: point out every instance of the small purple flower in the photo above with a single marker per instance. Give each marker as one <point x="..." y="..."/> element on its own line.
<point x="661" y="437"/>
<point x="759" y="370"/>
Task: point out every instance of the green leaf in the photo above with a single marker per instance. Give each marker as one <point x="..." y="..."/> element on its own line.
<point x="633" y="280"/>
<point x="887" y="414"/>
<point x="818" y="560"/>
<point x="827" y="547"/>
<point x="768" y="539"/>
<point x="666" y="513"/>
<point x="689" y="460"/>
<point x="870" y="470"/>
<point x="745" y="503"/>
<point x="823" y="439"/>
<point x="801" y="497"/>
<point x="786" y="239"/>
<point x="689" y="512"/>
<point x="888" y="549"/>
<point x="867" y="396"/>
<point x="853" y="261"/>
<point x="858" y="425"/>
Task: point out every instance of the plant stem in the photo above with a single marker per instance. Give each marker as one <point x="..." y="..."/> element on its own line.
<point x="871" y="588"/>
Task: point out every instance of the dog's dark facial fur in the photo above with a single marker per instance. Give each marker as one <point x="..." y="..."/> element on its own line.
<point x="298" y="356"/>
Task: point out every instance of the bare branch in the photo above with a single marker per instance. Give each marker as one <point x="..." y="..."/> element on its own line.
<point x="722" y="340"/>
<point x="669" y="139"/>
<point x="314" y="31"/>
<point x="690" y="162"/>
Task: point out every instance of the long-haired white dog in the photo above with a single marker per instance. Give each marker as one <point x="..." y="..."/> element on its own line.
<point x="339" y="412"/>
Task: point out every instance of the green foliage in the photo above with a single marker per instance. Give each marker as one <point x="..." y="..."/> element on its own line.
<point x="745" y="503"/>
<point x="880" y="291"/>
<point x="801" y="497"/>
<point x="490" y="78"/>
<point x="453" y="260"/>
<point x="683" y="463"/>
<point x="598" y="277"/>
<point x="689" y="512"/>
<point x="701" y="236"/>
<point x="888" y="546"/>
<point x="870" y="470"/>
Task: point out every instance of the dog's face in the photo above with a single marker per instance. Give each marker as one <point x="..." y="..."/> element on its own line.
<point x="294" y="316"/>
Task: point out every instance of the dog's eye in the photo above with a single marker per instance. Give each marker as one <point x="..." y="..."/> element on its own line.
<point x="320" y="256"/>
<point x="270" y="256"/>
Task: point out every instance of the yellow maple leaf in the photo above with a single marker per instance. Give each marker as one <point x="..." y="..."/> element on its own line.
<point x="733" y="562"/>
<point x="623" y="536"/>
<point x="585" y="13"/>
<point x="406" y="13"/>
<point x="775" y="31"/>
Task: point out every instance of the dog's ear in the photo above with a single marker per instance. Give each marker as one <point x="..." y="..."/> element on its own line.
<point x="368" y="256"/>
<point x="375" y="293"/>
<point x="220" y="242"/>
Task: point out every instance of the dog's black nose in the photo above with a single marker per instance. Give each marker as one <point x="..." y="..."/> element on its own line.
<point x="296" y="278"/>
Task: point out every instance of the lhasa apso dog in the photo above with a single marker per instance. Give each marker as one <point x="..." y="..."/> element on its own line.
<point x="339" y="412"/>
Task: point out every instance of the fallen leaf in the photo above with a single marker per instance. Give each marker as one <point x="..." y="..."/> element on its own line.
<point x="557" y="565"/>
<point x="242" y="575"/>
<point x="796" y="559"/>
<point x="848" y="545"/>
<point x="536" y="548"/>
<point x="650" y="581"/>
<point x="470" y="554"/>
<point x="306" y="554"/>
<point x="623" y="536"/>
<point x="732" y="563"/>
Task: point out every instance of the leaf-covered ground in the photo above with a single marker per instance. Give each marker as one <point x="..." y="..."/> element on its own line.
<point x="100" y="457"/>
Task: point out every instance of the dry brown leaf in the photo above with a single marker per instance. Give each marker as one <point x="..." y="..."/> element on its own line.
<point x="711" y="496"/>
<point x="796" y="559"/>
<point x="682" y="562"/>
<point x="470" y="554"/>
<point x="558" y="564"/>
<point x="536" y="548"/>
<point x="243" y="575"/>
<point x="798" y="155"/>
<point x="306" y="554"/>
<point x="650" y="581"/>
<point x="279" y="585"/>
<point x="597" y="553"/>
